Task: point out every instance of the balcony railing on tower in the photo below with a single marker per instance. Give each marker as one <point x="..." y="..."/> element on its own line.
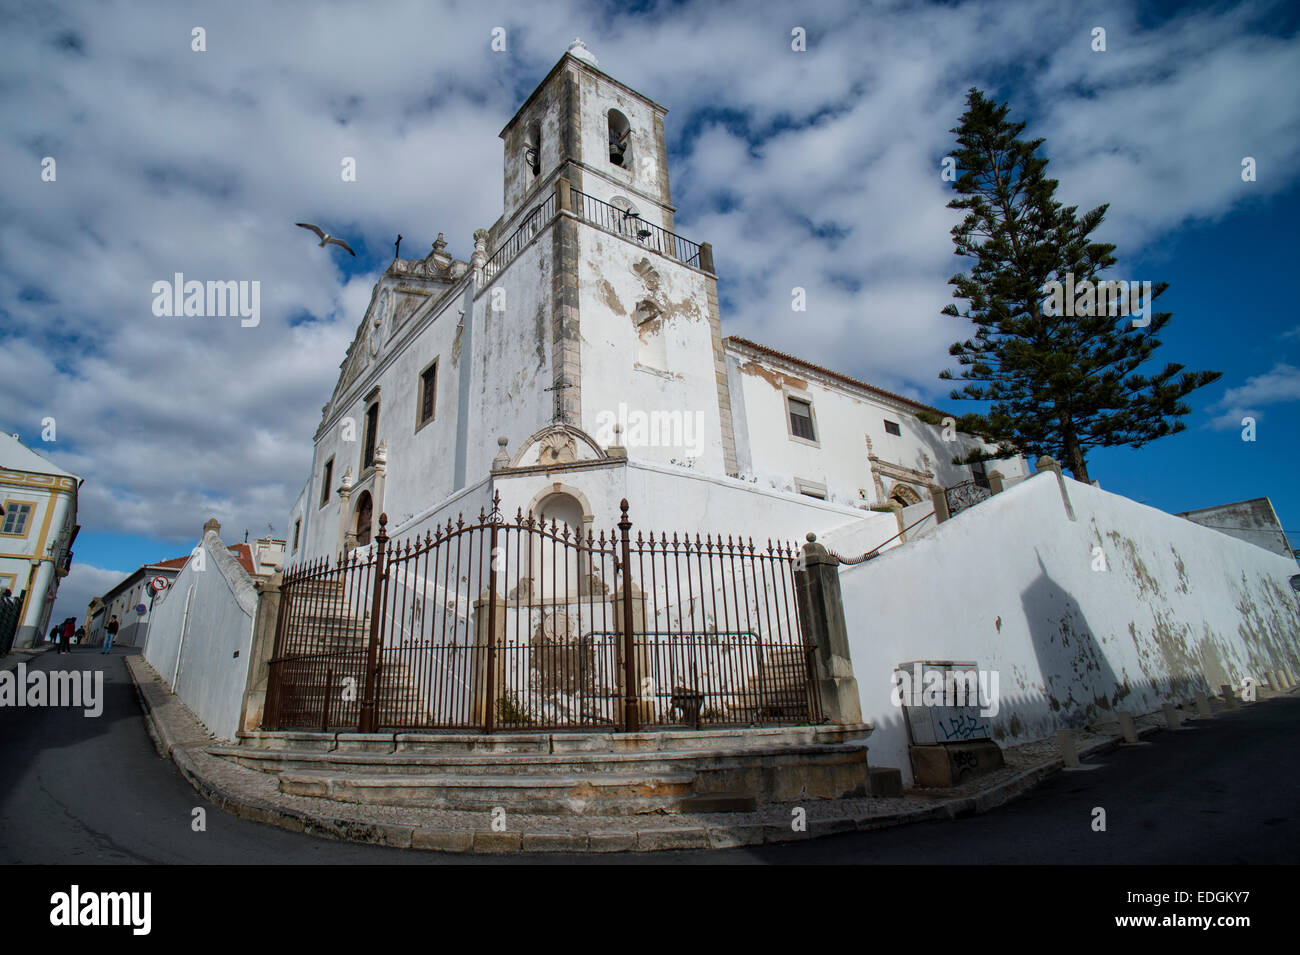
<point x="609" y="218"/>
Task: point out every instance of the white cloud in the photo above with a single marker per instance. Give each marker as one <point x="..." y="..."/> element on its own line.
<point x="1276" y="386"/>
<point x="170" y="160"/>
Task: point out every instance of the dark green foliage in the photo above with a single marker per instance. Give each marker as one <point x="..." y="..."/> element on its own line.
<point x="1056" y="384"/>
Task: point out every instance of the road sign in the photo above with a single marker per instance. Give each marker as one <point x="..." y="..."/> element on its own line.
<point x="158" y="584"/>
<point x="140" y="609"/>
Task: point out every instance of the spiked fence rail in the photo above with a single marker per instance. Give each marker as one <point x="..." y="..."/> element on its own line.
<point x="528" y="625"/>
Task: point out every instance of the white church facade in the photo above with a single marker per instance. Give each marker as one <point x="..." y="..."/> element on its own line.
<point x="578" y="359"/>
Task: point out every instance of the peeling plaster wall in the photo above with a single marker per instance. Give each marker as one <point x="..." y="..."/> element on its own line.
<point x="511" y="367"/>
<point x="1010" y="584"/>
<point x="844" y="420"/>
<point x="664" y="365"/>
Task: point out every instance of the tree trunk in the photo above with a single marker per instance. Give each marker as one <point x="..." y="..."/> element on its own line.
<point x="1073" y="451"/>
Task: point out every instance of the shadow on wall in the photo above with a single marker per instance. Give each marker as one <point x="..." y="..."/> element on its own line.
<point x="1078" y="681"/>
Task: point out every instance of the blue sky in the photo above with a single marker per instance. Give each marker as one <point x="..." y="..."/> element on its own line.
<point x="816" y="169"/>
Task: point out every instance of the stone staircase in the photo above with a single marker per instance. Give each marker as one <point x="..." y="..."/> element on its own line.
<point x="332" y="639"/>
<point x="579" y="773"/>
<point x="780" y="688"/>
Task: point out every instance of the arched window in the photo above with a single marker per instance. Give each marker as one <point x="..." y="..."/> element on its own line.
<point x="365" y="508"/>
<point x="620" y="140"/>
<point x="533" y="151"/>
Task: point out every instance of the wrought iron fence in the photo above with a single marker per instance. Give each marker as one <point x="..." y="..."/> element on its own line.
<point x="532" y="224"/>
<point x="631" y="226"/>
<point x="528" y="625"/>
<point x="967" y="494"/>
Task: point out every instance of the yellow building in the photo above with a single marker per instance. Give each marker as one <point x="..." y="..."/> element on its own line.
<point x="38" y="527"/>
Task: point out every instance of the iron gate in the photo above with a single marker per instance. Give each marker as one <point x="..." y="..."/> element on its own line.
<point x="527" y="625"/>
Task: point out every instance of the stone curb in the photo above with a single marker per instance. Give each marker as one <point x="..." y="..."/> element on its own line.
<point x="484" y="842"/>
<point x="16" y="657"/>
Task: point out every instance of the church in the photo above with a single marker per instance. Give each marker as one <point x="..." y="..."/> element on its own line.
<point x="578" y="359"/>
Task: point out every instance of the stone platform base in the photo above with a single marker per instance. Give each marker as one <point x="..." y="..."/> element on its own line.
<point x="600" y="773"/>
<point x="951" y="764"/>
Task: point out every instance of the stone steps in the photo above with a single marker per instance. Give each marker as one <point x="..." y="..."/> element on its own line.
<point x="595" y="773"/>
<point x="519" y="764"/>
<point x="552" y="796"/>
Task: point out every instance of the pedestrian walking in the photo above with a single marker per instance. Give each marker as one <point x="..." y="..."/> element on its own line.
<point x="69" y="626"/>
<point x="109" y="633"/>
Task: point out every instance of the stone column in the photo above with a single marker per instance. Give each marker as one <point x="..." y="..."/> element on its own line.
<point x="821" y="613"/>
<point x="940" y="499"/>
<point x="706" y="257"/>
<point x="480" y="256"/>
<point x="345" y="498"/>
<point x="381" y="478"/>
<point x="259" y="664"/>
<point x="563" y="198"/>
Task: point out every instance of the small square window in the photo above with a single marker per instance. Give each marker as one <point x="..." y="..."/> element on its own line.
<point x="16" y="518"/>
<point x="891" y="427"/>
<point x="801" y="422"/>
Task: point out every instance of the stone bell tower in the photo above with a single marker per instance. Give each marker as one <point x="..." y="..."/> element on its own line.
<point x="583" y="125"/>
<point x="585" y="252"/>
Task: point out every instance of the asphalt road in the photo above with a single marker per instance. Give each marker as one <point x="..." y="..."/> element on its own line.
<point x="1226" y="791"/>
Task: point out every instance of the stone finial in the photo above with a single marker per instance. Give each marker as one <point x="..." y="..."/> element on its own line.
<point x="345" y="482"/>
<point x="479" y="258"/>
<point x="579" y="50"/>
<point x="381" y="455"/>
<point x="1047" y="463"/>
<point x="439" y="253"/>
<point x="502" y="459"/>
<point x="212" y="524"/>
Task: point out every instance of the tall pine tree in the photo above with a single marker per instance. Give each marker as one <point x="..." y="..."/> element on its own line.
<point x="1056" y="383"/>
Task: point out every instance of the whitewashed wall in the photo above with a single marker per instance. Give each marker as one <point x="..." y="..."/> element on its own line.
<point x="844" y="419"/>
<point x="1010" y="584"/>
<point x="201" y="633"/>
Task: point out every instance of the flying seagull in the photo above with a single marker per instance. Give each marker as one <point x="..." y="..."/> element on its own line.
<point x="325" y="239"/>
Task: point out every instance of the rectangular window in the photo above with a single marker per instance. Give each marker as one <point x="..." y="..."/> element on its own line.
<point x="801" y="422"/>
<point x="428" y="394"/>
<point x="372" y="425"/>
<point x="891" y="427"/>
<point x="297" y="532"/>
<point x="811" y="488"/>
<point x="327" y="478"/>
<point x="17" y="516"/>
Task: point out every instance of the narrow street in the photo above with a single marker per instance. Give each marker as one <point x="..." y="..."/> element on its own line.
<point x="1227" y="791"/>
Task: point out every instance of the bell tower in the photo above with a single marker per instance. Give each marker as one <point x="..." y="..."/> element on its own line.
<point x="604" y="137"/>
